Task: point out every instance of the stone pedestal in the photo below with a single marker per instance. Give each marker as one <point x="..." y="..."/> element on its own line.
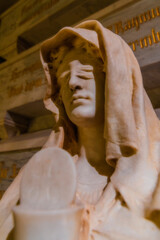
<point x="61" y="224"/>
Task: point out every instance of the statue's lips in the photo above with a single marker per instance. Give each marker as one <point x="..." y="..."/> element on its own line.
<point x="79" y="98"/>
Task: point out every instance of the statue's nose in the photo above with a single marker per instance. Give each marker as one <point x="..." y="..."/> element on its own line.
<point x="74" y="82"/>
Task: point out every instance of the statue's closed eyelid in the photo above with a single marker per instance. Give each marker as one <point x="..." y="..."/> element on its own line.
<point x="85" y="76"/>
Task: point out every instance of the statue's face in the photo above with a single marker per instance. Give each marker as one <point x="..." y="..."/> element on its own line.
<point x="81" y="83"/>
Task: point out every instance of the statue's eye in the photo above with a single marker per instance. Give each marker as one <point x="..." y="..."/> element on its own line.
<point x="85" y="72"/>
<point x="85" y="75"/>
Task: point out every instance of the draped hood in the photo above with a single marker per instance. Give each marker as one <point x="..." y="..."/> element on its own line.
<point x="131" y="131"/>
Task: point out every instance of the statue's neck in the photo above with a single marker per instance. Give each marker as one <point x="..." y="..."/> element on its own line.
<point x="91" y="160"/>
<point x="92" y="144"/>
<point x="92" y="148"/>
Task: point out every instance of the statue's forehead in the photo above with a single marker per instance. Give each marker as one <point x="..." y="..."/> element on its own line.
<point x="73" y="55"/>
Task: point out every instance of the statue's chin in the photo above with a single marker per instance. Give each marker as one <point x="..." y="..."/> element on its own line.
<point x="83" y="116"/>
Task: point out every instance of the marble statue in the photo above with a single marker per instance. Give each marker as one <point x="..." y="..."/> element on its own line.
<point x="106" y="122"/>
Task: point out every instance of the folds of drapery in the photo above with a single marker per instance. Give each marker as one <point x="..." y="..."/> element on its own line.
<point x="132" y="130"/>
